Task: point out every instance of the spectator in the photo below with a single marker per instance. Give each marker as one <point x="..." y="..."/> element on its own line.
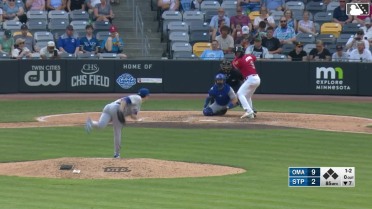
<point x="288" y="14"/>
<point x="285" y="33"/>
<point x="20" y="51"/>
<point x="352" y="42"/>
<point x="360" y="19"/>
<point x="73" y="5"/>
<point x="249" y="5"/>
<point x="103" y="12"/>
<point x="237" y="33"/>
<point x="67" y="43"/>
<point x="245" y="43"/>
<point x="56" y="5"/>
<point x="91" y="4"/>
<point x="216" y="22"/>
<point x="367" y="29"/>
<point x="114" y="44"/>
<point x="271" y="43"/>
<point x="360" y="54"/>
<point x="320" y="53"/>
<point x="50" y="51"/>
<point x="245" y="35"/>
<point x="298" y="53"/>
<point x="12" y="11"/>
<point x="212" y="54"/>
<point x="305" y="25"/>
<point x="340" y="55"/>
<point x="89" y="43"/>
<point x="197" y="3"/>
<point x="277" y="5"/>
<point x="186" y="5"/>
<point x="225" y="40"/>
<point x="264" y="16"/>
<point x="339" y="14"/>
<point x="240" y="19"/>
<point x="38" y="5"/>
<point x="27" y="36"/>
<point x="261" y="30"/>
<point x="7" y="43"/>
<point x="169" y="5"/>
<point x="257" y="49"/>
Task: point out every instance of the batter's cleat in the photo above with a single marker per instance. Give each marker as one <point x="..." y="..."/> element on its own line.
<point x="117" y="156"/>
<point x="88" y="125"/>
<point x="247" y="115"/>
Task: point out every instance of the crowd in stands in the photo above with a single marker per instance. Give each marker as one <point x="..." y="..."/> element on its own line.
<point x="90" y="31"/>
<point x="301" y="30"/>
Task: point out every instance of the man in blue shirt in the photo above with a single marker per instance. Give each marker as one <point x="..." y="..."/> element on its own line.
<point x="212" y="54"/>
<point x="286" y="34"/>
<point x="89" y="42"/>
<point x="114" y="44"/>
<point x="67" y="43"/>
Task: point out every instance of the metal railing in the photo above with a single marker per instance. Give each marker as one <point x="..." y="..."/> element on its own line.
<point x="138" y="23"/>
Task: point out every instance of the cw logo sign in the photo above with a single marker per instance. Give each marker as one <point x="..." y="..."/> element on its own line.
<point x="329" y="73"/>
<point x="37" y="78"/>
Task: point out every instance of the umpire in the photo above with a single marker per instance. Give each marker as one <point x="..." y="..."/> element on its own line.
<point x="233" y="77"/>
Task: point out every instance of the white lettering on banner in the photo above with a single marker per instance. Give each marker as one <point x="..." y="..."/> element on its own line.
<point x="132" y="66"/>
<point x="99" y="80"/>
<point x="37" y="78"/>
<point x="89" y="77"/>
<point x="89" y="69"/>
<point x="148" y="66"/>
<point x="79" y="80"/>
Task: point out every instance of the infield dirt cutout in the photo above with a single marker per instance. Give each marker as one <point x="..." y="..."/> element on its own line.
<point x="108" y="168"/>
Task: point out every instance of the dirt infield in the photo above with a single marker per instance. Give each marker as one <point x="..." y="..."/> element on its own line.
<point x="108" y="168"/>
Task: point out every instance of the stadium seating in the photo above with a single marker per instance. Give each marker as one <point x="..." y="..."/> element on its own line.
<point x="322" y="17"/>
<point x="326" y="38"/>
<point x="197" y="36"/>
<point x="305" y="38"/>
<point x="295" y="5"/>
<point x="199" y="47"/>
<point x="331" y="28"/>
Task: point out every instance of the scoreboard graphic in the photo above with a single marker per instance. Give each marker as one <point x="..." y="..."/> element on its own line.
<point x="321" y="176"/>
<point x="358" y="9"/>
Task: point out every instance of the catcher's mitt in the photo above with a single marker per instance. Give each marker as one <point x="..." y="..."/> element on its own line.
<point x="121" y="117"/>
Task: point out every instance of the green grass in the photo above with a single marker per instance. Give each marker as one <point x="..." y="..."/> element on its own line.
<point x="265" y="154"/>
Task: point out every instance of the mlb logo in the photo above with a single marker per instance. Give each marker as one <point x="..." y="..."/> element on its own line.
<point x="356" y="9"/>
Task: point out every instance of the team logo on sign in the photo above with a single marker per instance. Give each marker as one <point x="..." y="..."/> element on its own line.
<point x="356" y="9"/>
<point x="126" y="81"/>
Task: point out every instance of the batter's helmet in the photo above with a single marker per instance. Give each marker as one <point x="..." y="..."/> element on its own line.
<point x="143" y="92"/>
<point x="207" y="111"/>
<point x="239" y="49"/>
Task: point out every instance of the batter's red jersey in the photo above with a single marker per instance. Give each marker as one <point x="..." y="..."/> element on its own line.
<point x="245" y="64"/>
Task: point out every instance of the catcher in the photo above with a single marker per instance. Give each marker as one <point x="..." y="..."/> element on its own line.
<point x="116" y="112"/>
<point x="223" y="97"/>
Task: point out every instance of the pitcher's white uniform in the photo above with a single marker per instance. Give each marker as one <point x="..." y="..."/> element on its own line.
<point x="109" y="114"/>
<point x="246" y="66"/>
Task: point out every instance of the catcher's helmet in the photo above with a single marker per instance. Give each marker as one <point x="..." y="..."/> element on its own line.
<point x="225" y="65"/>
<point x="143" y="92"/>
<point x="220" y="76"/>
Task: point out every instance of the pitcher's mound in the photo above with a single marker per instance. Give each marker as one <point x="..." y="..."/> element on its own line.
<point x="109" y="168"/>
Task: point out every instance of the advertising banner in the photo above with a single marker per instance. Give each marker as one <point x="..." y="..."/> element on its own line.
<point x="90" y="76"/>
<point x="9" y="76"/>
<point x="131" y="75"/>
<point x="365" y="79"/>
<point x="42" y="76"/>
<point x="333" y="78"/>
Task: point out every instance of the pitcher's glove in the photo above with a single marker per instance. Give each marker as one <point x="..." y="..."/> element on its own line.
<point x="121" y="117"/>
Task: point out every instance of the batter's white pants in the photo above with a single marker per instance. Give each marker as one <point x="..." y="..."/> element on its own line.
<point x="246" y="92"/>
<point x="109" y="114"/>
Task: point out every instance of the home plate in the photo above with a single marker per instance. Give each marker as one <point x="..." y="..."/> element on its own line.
<point x="209" y="120"/>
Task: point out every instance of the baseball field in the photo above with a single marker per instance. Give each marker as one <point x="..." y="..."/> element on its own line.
<point x="263" y="151"/>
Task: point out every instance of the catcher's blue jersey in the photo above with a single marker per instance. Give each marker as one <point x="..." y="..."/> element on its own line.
<point x="221" y="96"/>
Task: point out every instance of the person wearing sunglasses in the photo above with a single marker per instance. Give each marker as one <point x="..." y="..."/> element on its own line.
<point x="286" y="34"/>
<point x="20" y="50"/>
<point x="298" y="53"/>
